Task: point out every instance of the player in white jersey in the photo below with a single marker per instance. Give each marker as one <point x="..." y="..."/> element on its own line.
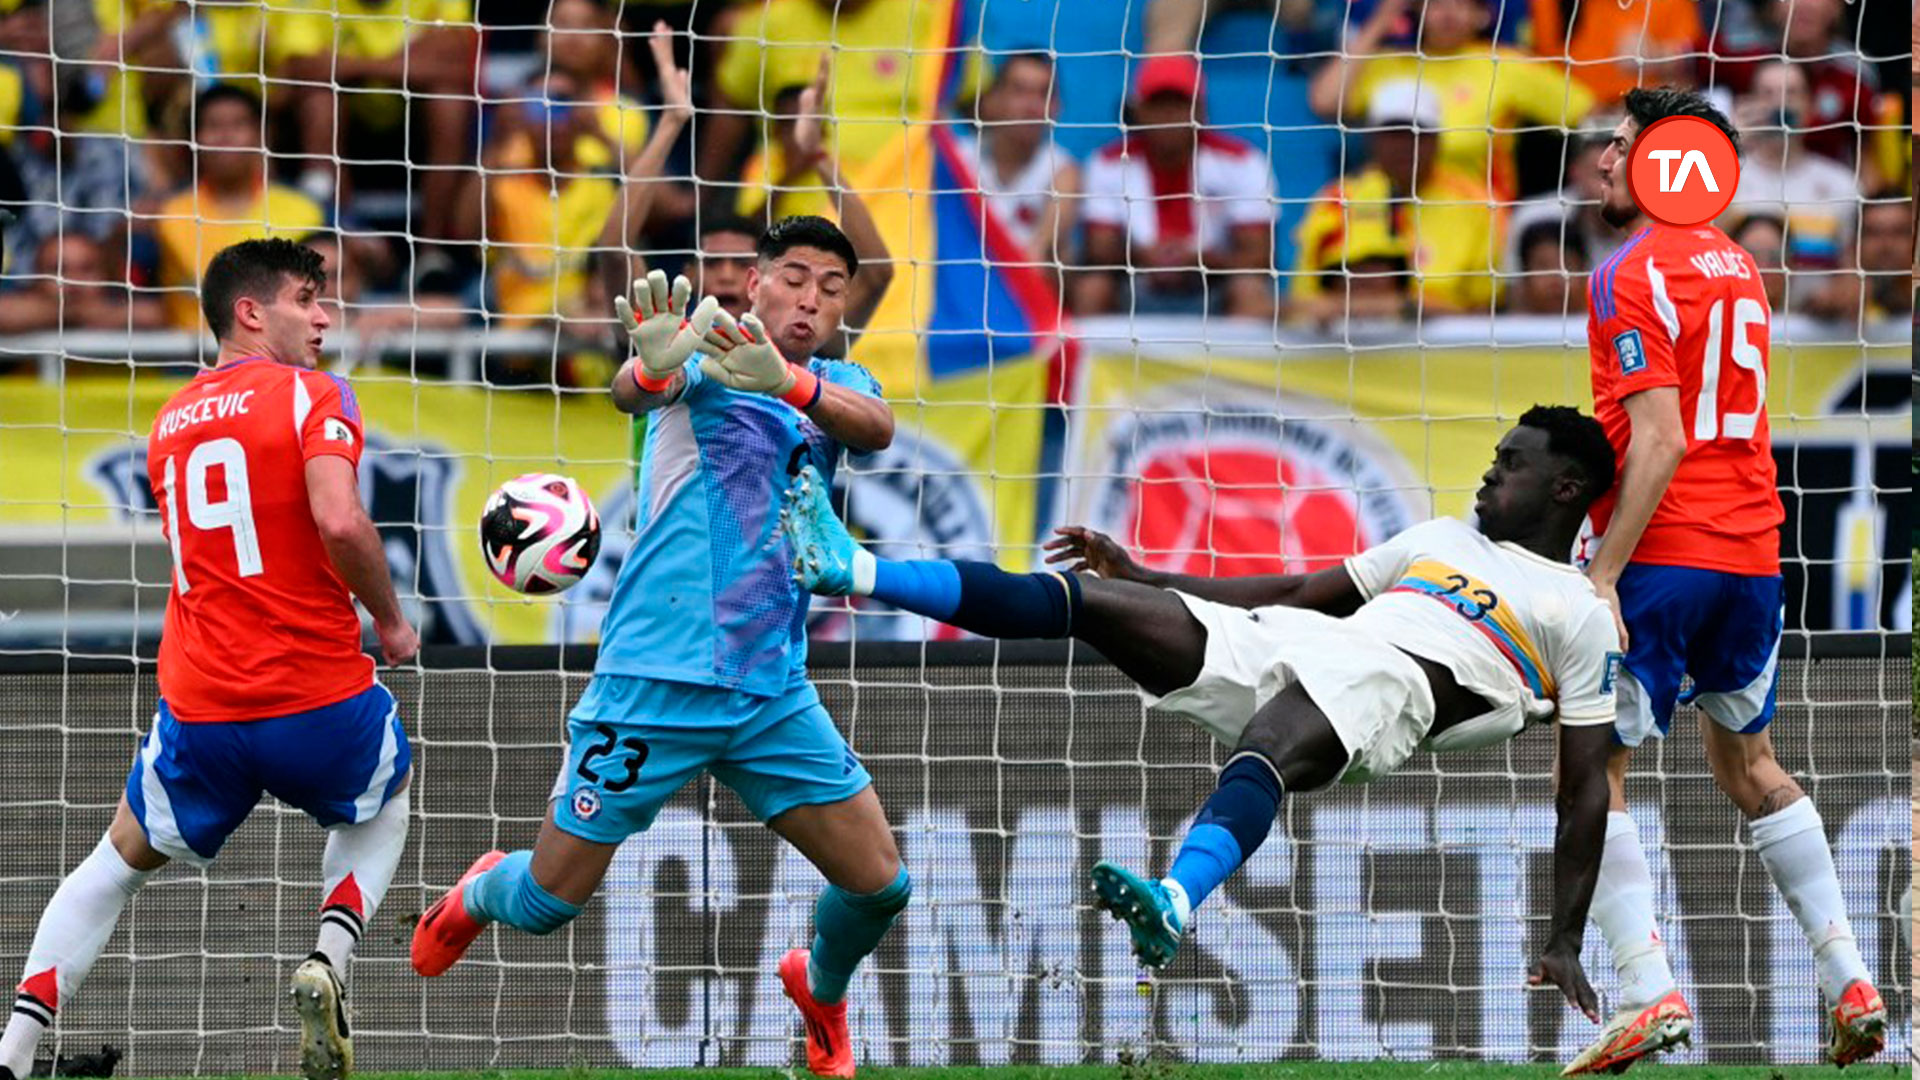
<point x="1443" y="637"/>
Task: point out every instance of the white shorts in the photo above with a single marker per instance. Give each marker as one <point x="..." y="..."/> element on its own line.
<point x="1377" y="697"/>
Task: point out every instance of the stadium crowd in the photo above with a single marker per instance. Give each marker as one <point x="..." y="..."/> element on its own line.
<point x="459" y="167"/>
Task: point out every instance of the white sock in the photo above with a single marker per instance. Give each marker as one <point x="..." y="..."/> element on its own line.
<point x="1182" y="906"/>
<point x="865" y="569"/>
<point x="357" y="868"/>
<point x="74" y="928"/>
<point x="1623" y="909"/>
<point x="1793" y="845"/>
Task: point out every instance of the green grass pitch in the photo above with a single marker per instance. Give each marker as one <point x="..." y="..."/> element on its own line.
<point x="1153" y="1070"/>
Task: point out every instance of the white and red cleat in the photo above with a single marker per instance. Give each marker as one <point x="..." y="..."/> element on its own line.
<point x="1859" y="1025"/>
<point x="442" y="935"/>
<point x="1633" y="1034"/>
<point x="829" y="1050"/>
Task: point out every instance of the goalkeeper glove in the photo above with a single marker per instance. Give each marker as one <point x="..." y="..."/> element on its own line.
<point x="662" y="333"/>
<point x="741" y="356"/>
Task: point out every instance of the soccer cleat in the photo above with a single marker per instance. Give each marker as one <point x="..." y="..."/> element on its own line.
<point x="829" y="1050"/>
<point x="326" y="1045"/>
<point x="823" y="551"/>
<point x="1634" y="1033"/>
<point x="78" y="1065"/>
<point x="1859" y="1025"/>
<point x="1153" y="920"/>
<point x="442" y="935"/>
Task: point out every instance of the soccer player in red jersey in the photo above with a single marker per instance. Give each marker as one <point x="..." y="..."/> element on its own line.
<point x="263" y="686"/>
<point x="1688" y="552"/>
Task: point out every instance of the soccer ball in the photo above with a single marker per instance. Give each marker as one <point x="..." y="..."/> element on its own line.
<point x="539" y="533"/>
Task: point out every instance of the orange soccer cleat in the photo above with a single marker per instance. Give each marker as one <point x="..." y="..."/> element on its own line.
<point x="1859" y="1025"/>
<point x="829" y="1050"/>
<point x="1632" y="1035"/>
<point x="442" y="935"/>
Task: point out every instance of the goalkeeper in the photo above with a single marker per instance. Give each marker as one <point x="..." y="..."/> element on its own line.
<point x="703" y="655"/>
<point x="1444" y="636"/>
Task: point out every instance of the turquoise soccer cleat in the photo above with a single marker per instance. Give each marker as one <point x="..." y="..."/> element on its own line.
<point x="1153" y="918"/>
<point x="823" y="551"/>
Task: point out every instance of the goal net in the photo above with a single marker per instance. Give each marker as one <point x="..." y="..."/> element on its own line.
<point x="1250" y="288"/>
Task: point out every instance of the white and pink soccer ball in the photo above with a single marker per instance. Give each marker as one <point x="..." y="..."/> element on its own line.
<point x="540" y="533"/>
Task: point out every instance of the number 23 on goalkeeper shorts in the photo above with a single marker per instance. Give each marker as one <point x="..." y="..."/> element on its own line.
<point x="1684" y="171"/>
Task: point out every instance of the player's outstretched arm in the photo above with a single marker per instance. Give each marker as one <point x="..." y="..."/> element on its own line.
<point x="353" y="545"/>
<point x="1581" y="807"/>
<point x="1331" y="591"/>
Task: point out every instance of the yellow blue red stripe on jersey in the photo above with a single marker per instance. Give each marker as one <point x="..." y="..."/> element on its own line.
<point x="1481" y="607"/>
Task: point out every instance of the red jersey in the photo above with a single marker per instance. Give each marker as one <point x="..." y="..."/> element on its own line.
<point x="258" y="623"/>
<point x="1684" y="307"/>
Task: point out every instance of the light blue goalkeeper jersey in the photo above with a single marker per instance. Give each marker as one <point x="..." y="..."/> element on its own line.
<point x="706" y="594"/>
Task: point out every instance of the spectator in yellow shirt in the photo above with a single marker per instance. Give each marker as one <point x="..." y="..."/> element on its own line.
<point x="880" y="83"/>
<point x="428" y="48"/>
<point x="1409" y="203"/>
<point x="543" y="217"/>
<point x="582" y="41"/>
<point x="131" y="71"/>
<point x="1484" y="91"/>
<point x="233" y="201"/>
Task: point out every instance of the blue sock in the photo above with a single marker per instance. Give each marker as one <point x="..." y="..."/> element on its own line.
<point x="1230" y="828"/>
<point x="508" y="894"/>
<point x="929" y="587"/>
<point x="846" y="927"/>
<point x="981" y="597"/>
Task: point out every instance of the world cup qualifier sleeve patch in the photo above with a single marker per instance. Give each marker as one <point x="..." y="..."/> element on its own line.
<point x="1627" y="348"/>
<point x="1611" y="673"/>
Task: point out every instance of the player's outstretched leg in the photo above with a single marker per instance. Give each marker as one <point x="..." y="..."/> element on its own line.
<point x="1289" y="743"/>
<point x="355" y="870"/>
<point x="828" y="561"/>
<point x="73" y="929"/>
<point x="1148" y="633"/>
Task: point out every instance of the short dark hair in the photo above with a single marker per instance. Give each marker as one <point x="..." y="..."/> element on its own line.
<point x="808" y="230"/>
<point x="715" y="224"/>
<point x="1559" y="232"/>
<point x="219" y="92"/>
<point x="255" y="269"/>
<point x="1749" y="221"/>
<point x="1579" y="438"/>
<point x="1649" y="105"/>
<point x="1007" y="60"/>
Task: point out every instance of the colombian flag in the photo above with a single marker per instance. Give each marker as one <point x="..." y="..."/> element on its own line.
<point x="963" y="298"/>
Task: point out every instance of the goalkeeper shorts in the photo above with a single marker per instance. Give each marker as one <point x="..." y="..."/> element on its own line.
<point x="632" y="742"/>
<point x="192" y="784"/>
<point x="1378" y="699"/>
